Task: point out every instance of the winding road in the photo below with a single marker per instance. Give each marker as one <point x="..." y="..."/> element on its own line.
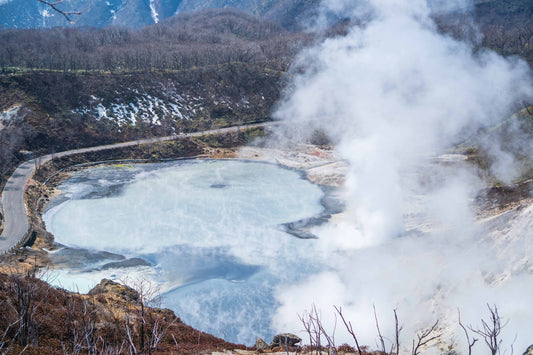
<point x="15" y="218"/>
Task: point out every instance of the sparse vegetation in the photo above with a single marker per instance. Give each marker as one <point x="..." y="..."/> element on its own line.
<point x="114" y="319"/>
<point x="322" y="340"/>
<point x="246" y="136"/>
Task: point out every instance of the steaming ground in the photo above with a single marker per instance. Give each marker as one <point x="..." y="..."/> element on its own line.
<point x="429" y="271"/>
<point x="441" y="262"/>
<point x="395" y="94"/>
<point x="426" y="272"/>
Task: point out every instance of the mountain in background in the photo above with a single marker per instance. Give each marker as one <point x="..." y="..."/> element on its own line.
<point x="95" y="13"/>
<point x="139" y="13"/>
<point x="291" y="14"/>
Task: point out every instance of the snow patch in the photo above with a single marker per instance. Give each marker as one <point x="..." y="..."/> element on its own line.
<point x="154" y="105"/>
<point x="45" y="13"/>
<point x="135" y="106"/>
<point x="10" y="113"/>
<point x="155" y="15"/>
<point x="102" y="112"/>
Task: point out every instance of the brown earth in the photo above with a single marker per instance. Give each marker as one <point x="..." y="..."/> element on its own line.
<point x="114" y="319"/>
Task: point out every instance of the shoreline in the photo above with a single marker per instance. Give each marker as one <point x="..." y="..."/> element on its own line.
<point x="506" y="199"/>
<point x="319" y="165"/>
<point x="330" y="202"/>
<point x="327" y="201"/>
<point x="34" y="253"/>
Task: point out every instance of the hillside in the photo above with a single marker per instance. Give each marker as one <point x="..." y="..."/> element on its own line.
<point x="505" y="26"/>
<point x="77" y="87"/>
<point x="292" y="14"/>
<point x="46" y="112"/>
<point x="67" y="88"/>
<point x="185" y="41"/>
<point x="139" y="13"/>
<point x="40" y="319"/>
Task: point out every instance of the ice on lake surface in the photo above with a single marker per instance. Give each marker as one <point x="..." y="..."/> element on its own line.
<point x="211" y="230"/>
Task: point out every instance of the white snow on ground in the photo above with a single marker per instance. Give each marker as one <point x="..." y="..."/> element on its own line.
<point x="102" y="112"/>
<point x="226" y="101"/>
<point x="10" y="113"/>
<point x="143" y="107"/>
<point x="155" y="15"/>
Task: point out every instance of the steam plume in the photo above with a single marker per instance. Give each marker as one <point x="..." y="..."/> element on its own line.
<point x="394" y="93"/>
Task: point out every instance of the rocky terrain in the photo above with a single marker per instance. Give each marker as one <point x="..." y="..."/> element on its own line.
<point x="73" y="87"/>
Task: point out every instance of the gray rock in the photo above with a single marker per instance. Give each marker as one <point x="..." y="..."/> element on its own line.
<point x="529" y="351"/>
<point x="260" y="344"/>
<point x="126" y="263"/>
<point x="285" y="339"/>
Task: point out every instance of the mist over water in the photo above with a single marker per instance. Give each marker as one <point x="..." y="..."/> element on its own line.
<point x="394" y="93"/>
<point x="207" y="232"/>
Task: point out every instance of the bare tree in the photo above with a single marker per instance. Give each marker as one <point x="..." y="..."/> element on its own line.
<point x="349" y="328"/>
<point x="130" y="335"/>
<point x="380" y="336"/>
<point x="470" y="343"/>
<point x="491" y="329"/>
<point x="397" y="331"/>
<point x="54" y="5"/>
<point x="313" y="326"/>
<point x="22" y="300"/>
<point x="106" y="348"/>
<point x="7" y="343"/>
<point x="151" y="325"/>
<point x="81" y="325"/>
<point x="424" y="337"/>
<point x="159" y="330"/>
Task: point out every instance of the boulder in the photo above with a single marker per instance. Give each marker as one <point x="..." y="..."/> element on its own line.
<point x="285" y="339"/>
<point x="260" y="344"/>
<point x="529" y="351"/>
<point x="108" y="286"/>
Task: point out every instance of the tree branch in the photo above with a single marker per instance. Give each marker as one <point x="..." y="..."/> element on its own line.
<point x="349" y="328"/>
<point x="66" y="14"/>
<point x="470" y="343"/>
<point x="425" y="337"/>
<point x="380" y="336"/>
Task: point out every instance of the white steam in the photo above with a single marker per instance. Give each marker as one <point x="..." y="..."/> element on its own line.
<point x="395" y="93"/>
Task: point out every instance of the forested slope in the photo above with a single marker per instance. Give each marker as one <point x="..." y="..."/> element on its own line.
<point x="70" y="87"/>
<point x="67" y="88"/>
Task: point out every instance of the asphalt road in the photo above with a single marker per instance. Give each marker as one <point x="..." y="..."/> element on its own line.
<point x="16" y="220"/>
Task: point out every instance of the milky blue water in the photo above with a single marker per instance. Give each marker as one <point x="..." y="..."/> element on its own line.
<point x="208" y="233"/>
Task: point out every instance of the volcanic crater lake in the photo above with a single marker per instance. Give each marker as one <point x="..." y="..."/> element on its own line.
<point x="209" y="233"/>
